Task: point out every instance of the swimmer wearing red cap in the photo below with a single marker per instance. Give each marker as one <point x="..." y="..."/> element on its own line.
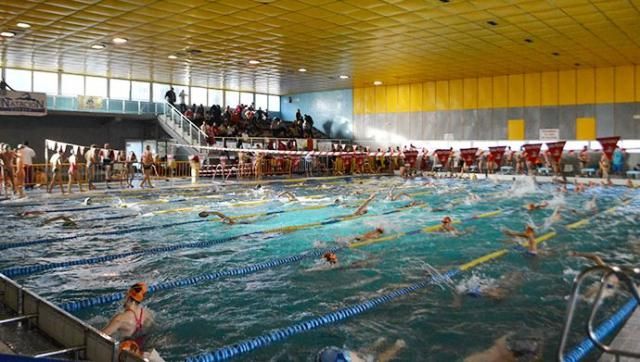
<point x="130" y="323"/>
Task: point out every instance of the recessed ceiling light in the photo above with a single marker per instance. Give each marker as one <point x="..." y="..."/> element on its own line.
<point x="172" y="56"/>
<point x="23" y="25"/>
<point x="119" y="40"/>
<point x="444" y="1"/>
<point x="577" y="64"/>
<point x="98" y="46"/>
<point x="492" y="23"/>
<point x="528" y="40"/>
<point x="377" y="82"/>
<point x="344" y="77"/>
<point x="8" y="34"/>
<point x="302" y="70"/>
<point x="254" y="62"/>
<point x="555" y="54"/>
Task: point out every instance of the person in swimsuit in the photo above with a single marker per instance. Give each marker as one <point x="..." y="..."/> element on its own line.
<point x="67" y="222"/>
<point x="530" y="235"/>
<point x="612" y="281"/>
<point x="107" y="156"/>
<point x="446" y="225"/>
<point x="224" y="218"/>
<point x="289" y="195"/>
<point x="147" y="164"/>
<point x="132" y="322"/>
<point x="131" y="171"/>
<point x="363" y="208"/>
<point x="73" y="171"/>
<point x="91" y="158"/>
<point x="56" y="171"/>
<point x="370" y="235"/>
<point x="532" y="206"/>
<point x="375" y="353"/>
<point x="330" y="258"/>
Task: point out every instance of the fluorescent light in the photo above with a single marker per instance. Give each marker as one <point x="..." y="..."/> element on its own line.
<point x="119" y="40"/>
<point x="344" y="77"/>
<point x="302" y="70"/>
<point x="98" y="46"/>
<point x="8" y="34"/>
<point x="254" y="62"/>
<point x="172" y="57"/>
<point x="23" y="25"/>
<point x="377" y="82"/>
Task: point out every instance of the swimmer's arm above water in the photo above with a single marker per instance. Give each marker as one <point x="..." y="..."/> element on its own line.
<point x="591" y="256"/>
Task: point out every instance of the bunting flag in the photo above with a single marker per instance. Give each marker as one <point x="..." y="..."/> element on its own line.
<point x="468" y="155"/>
<point x="443" y="156"/>
<point x="532" y="151"/>
<point x="497" y="152"/>
<point x="410" y="157"/>
<point x="555" y="150"/>
<point x="609" y="145"/>
<point x="50" y="144"/>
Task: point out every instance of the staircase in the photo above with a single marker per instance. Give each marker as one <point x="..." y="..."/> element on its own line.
<point x="182" y="129"/>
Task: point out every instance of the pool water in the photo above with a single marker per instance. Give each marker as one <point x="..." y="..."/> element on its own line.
<point x="439" y="323"/>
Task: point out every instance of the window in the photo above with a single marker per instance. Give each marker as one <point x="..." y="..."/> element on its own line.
<point x="274" y="103"/>
<point x="19" y="80"/>
<point x="231" y="98"/>
<point x="45" y="82"/>
<point x="185" y="99"/>
<point x="140" y="91"/>
<point x="262" y="101"/>
<point x="199" y="96"/>
<point x="215" y="97"/>
<point x="246" y="98"/>
<point x="159" y="91"/>
<point x="96" y="86"/>
<point x="119" y="88"/>
<point x="72" y="85"/>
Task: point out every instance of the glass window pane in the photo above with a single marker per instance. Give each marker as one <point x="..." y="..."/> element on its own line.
<point x="119" y="88"/>
<point x="140" y="91"/>
<point x="231" y="98"/>
<point x="246" y="98"/>
<point x="96" y="86"/>
<point x="215" y="97"/>
<point x="19" y="80"/>
<point x="46" y="82"/>
<point x="159" y="91"/>
<point x="274" y="103"/>
<point x="72" y="85"/>
<point x="199" y="96"/>
<point x="261" y="101"/>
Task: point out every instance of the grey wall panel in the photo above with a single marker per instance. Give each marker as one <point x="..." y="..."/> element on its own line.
<point x="532" y="119"/>
<point x="515" y="112"/>
<point x="415" y="126"/>
<point x="440" y="125"/>
<point x="567" y="122"/>
<point x="456" y="124"/>
<point x="470" y="125"/>
<point x="428" y="125"/>
<point x="585" y="110"/>
<point x="549" y="117"/>
<point x="498" y="130"/>
<point x="624" y="123"/>
<point x="605" y="125"/>
<point x="484" y="125"/>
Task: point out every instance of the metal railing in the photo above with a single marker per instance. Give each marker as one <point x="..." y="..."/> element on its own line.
<point x="119" y="106"/>
<point x="595" y="335"/>
<point x="191" y="133"/>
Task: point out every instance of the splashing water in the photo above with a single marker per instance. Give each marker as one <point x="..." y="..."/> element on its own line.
<point x="523" y="186"/>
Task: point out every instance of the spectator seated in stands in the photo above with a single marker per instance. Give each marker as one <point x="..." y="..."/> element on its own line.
<point x="189" y="114"/>
<point x="308" y="126"/>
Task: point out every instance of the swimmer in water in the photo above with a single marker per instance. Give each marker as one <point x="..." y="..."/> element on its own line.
<point x="370" y="235"/>
<point x="87" y="201"/>
<point x="533" y="206"/>
<point x="330" y="258"/>
<point x="289" y="195"/>
<point x="630" y="184"/>
<point x="363" y="208"/>
<point x="502" y="288"/>
<point x="511" y="347"/>
<point x="224" y="218"/>
<point x="612" y="281"/>
<point x="528" y="234"/>
<point x="67" y="222"/>
<point x="30" y="213"/>
<point x="446" y="225"/>
<point x="335" y="354"/>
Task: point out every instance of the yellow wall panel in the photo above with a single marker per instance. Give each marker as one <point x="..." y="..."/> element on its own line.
<point x="416" y="97"/>
<point x="532" y="89"/>
<point x="404" y="98"/>
<point x="381" y="99"/>
<point x="515" y="129"/>
<point x="567" y="87"/>
<point x="429" y="96"/>
<point x="624" y="83"/>
<point x="392" y="98"/>
<point x="586" y="86"/>
<point x="470" y="90"/>
<point x="604" y="85"/>
<point x="485" y="92"/>
<point x="500" y="89"/>
<point x="369" y="100"/>
<point x="358" y="100"/>
<point x="585" y="129"/>
<point x="549" y="90"/>
<point x="456" y="96"/>
<point x="516" y="90"/>
<point x="442" y="95"/>
<point x="637" y="83"/>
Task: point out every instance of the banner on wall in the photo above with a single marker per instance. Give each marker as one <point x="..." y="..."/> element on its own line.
<point x="443" y="156"/>
<point x="497" y="152"/>
<point x="23" y="104"/>
<point x="89" y="102"/>
<point x="549" y="134"/>
<point x="609" y="145"/>
<point x="410" y="157"/>
<point x="555" y="150"/>
<point x="532" y="151"/>
<point x="468" y="155"/>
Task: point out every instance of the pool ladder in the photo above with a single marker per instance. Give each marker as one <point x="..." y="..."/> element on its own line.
<point x="595" y="335"/>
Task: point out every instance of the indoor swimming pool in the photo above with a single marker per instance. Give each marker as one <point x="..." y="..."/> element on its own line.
<point x="215" y="284"/>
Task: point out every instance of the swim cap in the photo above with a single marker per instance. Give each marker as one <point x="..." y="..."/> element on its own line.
<point x="530" y="228"/>
<point x="380" y="230"/>
<point x="137" y="292"/>
<point x="130" y="346"/>
<point x="446" y="219"/>
<point x="333" y="354"/>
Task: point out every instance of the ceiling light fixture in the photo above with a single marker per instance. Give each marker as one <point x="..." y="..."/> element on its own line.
<point x="344" y="77"/>
<point x="577" y="64"/>
<point x="23" y="25"/>
<point x="119" y="40"/>
<point x="555" y="54"/>
<point x="377" y="82"/>
<point x="172" y="56"/>
<point x="492" y="23"/>
<point x="302" y="70"/>
<point x="98" y="46"/>
<point x="444" y="1"/>
<point x="254" y="62"/>
<point x="528" y="40"/>
<point x="8" y="34"/>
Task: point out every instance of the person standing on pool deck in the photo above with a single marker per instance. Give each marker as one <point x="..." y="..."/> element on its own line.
<point x="91" y="157"/>
<point x="73" y="171"/>
<point x="132" y="322"/>
<point x="530" y="235"/>
<point x="56" y="171"/>
<point x="106" y="157"/>
<point x="147" y="164"/>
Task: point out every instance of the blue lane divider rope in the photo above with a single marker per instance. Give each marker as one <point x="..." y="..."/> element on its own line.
<point x="273" y="263"/>
<point x="276" y="335"/>
<point x="76" y="209"/>
<point x="583" y="348"/>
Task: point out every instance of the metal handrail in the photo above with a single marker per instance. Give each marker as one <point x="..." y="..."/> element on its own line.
<point x="180" y="120"/>
<point x="623" y="275"/>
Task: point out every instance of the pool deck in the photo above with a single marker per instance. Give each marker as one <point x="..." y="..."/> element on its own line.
<point x="627" y="339"/>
